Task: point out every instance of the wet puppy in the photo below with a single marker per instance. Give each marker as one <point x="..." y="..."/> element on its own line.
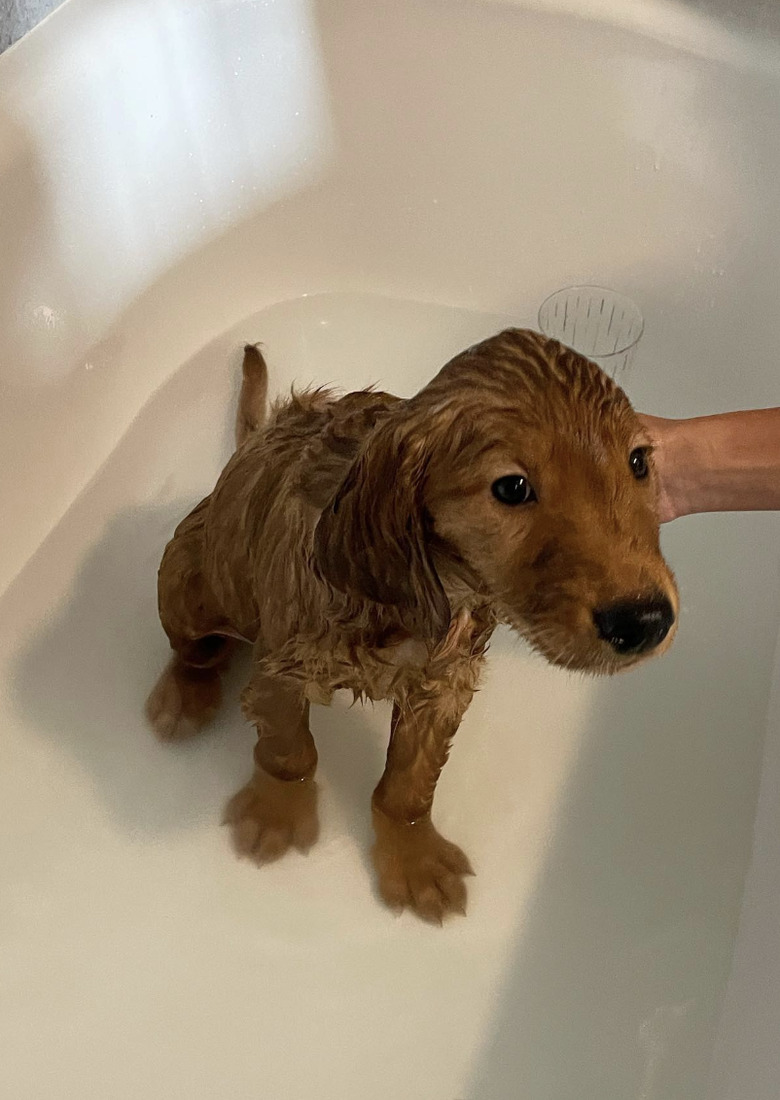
<point x="372" y="543"/>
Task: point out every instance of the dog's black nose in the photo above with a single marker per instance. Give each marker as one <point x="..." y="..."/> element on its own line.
<point x="634" y="626"/>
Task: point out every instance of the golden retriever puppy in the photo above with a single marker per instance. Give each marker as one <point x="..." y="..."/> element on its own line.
<point x="372" y="543"/>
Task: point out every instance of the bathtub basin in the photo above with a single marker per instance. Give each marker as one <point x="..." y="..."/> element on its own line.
<point x="367" y="188"/>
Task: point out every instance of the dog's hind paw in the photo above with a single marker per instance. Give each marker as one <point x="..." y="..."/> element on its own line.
<point x="269" y="816"/>
<point x="419" y="870"/>
<point x="183" y="701"/>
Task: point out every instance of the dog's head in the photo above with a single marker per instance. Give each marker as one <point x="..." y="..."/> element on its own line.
<point x="521" y="473"/>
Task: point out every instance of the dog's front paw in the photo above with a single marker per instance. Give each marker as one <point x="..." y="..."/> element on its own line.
<point x="418" y="869"/>
<point x="183" y="701"/>
<point x="269" y="815"/>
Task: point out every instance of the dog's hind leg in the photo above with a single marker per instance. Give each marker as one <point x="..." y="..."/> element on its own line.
<point x="188" y="695"/>
<point x="189" y="691"/>
<point x="277" y="809"/>
<point x="254" y="393"/>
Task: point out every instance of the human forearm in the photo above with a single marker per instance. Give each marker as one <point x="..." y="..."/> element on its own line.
<point x="729" y="462"/>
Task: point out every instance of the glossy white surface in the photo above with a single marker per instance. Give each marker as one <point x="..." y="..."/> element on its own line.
<point x="175" y="178"/>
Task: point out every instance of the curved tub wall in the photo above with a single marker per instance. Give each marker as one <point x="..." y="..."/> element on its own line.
<point x="746" y="1060"/>
<point x="367" y="188"/>
<point x="129" y="212"/>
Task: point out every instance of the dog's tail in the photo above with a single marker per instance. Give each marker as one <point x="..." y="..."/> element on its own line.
<point x="254" y="390"/>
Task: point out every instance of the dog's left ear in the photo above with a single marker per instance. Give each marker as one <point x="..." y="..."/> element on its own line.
<point x="372" y="538"/>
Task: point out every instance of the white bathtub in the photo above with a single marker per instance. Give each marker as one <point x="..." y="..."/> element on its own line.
<point x="368" y="187"/>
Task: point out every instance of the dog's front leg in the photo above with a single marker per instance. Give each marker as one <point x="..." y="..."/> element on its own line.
<point x="417" y="867"/>
<point x="277" y="809"/>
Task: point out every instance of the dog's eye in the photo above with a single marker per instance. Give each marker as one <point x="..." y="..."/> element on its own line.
<point x="513" y="489"/>
<point x="640" y="467"/>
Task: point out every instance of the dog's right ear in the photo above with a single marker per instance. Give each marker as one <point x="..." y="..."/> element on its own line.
<point x="372" y="540"/>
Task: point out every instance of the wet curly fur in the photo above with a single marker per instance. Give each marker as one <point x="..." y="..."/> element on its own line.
<point x="355" y="543"/>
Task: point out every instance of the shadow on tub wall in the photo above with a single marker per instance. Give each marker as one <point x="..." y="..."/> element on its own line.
<point x="83" y="680"/>
<point x="83" y="672"/>
<point x="757" y="18"/>
<point x="621" y="961"/>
